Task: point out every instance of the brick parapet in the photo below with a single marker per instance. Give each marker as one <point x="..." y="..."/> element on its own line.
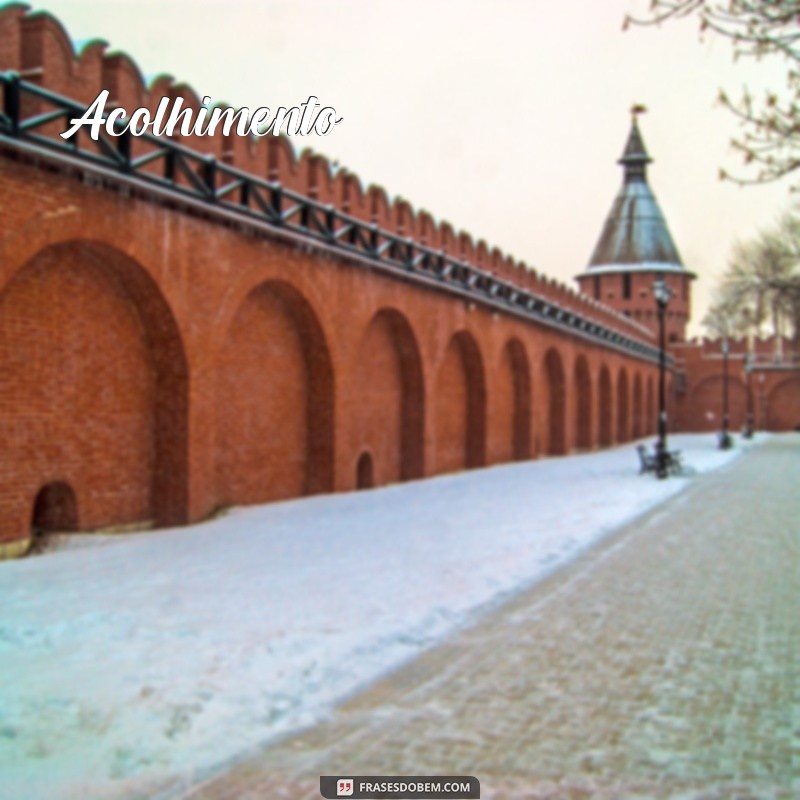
<point x="36" y="45"/>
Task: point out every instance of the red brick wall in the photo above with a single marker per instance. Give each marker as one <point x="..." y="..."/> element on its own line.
<point x="779" y="407"/>
<point x="156" y="362"/>
<point x="773" y="385"/>
<point x="162" y="364"/>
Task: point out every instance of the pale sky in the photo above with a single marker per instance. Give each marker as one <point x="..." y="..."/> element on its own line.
<point x="504" y="117"/>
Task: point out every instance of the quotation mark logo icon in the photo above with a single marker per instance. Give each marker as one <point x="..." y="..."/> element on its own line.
<point x="344" y="787"/>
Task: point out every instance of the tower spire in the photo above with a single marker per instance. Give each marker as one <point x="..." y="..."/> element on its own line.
<point x="635" y="247"/>
<point x="635" y="157"/>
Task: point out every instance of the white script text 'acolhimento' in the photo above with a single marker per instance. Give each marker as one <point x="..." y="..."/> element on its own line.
<point x="300" y="120"/>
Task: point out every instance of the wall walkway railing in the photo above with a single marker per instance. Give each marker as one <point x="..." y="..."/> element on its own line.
<point x="163" y="163"/>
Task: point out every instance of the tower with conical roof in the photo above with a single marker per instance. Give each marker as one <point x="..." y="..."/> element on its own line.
<point x="635" y="248"/>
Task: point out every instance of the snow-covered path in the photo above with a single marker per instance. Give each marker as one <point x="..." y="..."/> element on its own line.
<point x="169" y="652"/>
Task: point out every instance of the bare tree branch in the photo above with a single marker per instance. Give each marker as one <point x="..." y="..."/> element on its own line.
<point x="770" y="139"/>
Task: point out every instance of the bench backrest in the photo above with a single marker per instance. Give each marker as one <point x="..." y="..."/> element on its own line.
<point x="648" y="461"/>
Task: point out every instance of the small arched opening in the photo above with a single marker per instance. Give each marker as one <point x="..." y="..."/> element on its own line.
<point x="365" y="477"/>
<point x="55" y="510"/>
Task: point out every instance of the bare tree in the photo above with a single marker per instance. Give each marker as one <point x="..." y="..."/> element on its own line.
<point x="770" y="142"/>
<point x="787" y="285"/>
<point x="725" y="318"/>
<point x="761" y="287"/>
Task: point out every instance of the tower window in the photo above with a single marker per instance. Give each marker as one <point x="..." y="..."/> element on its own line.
<point x="626" y="285"/>
<point x="596" y="287"/>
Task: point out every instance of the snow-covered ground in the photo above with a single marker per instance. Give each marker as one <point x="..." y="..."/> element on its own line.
<point x="165" y="653"/>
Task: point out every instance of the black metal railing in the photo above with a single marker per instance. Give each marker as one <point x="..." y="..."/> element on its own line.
<point x="29" y="110"/>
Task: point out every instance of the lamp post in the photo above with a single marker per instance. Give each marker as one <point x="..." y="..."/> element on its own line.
<point x="725" y="441"/>
<point x="662" y="294"/>
<point x="748" y="372"/>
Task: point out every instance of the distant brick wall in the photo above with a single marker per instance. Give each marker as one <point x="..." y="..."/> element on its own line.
<point x="771" y="392"/>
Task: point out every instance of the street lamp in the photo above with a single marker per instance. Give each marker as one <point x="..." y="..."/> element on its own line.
<point x="662" y="294"/>
<point x="725" y="441"/>
<point x="747" y="433"/>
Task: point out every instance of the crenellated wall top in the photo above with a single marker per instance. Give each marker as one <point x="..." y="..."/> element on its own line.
<point x="36" y="45"/>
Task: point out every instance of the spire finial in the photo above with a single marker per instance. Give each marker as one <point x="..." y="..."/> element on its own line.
<point x="635" y="158"/>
